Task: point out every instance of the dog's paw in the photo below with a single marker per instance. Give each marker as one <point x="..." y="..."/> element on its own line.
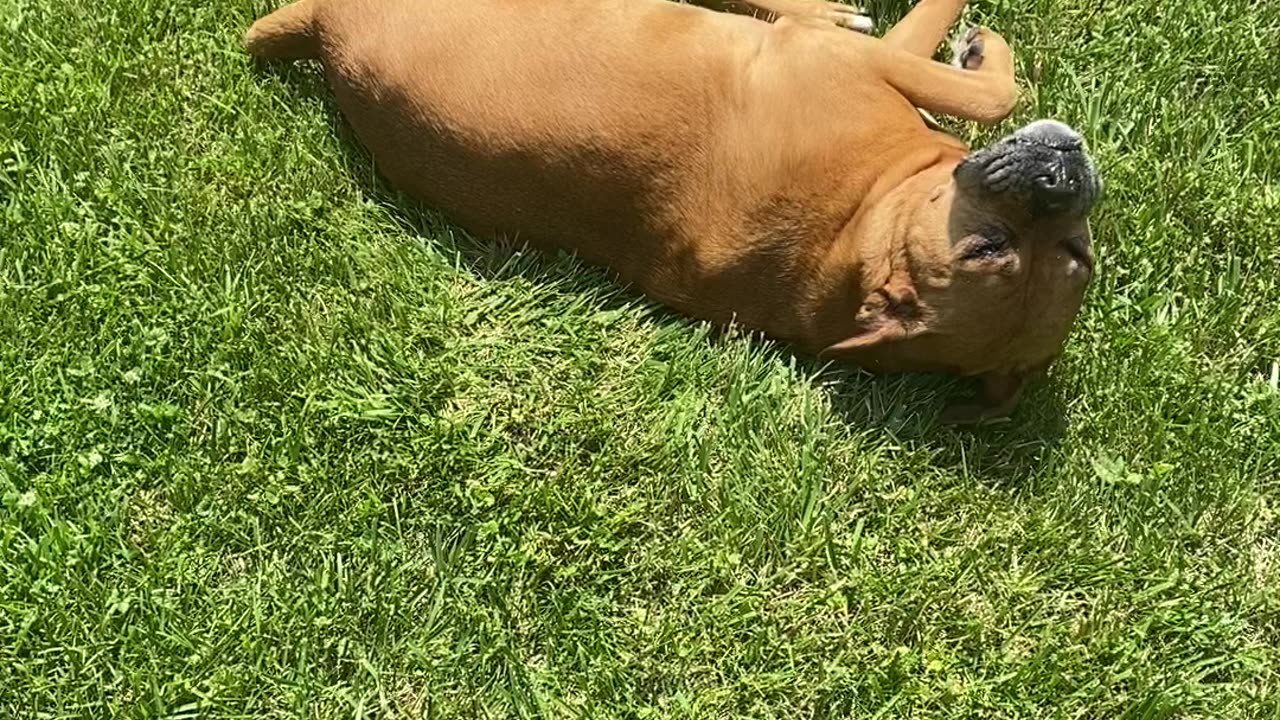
<point x="967" y="49"/>
<point x="849" y="17"/>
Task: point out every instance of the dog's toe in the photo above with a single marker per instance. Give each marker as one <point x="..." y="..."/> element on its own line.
<point x="860" y="23"/>
<point x="849" y="16"/>
<point x="967" y="49"/>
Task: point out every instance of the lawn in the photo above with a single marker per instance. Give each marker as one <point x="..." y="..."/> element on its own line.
<point x="276" y="442"/>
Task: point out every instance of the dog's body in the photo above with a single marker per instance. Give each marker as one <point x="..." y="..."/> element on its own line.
<point x="777" y="175"/>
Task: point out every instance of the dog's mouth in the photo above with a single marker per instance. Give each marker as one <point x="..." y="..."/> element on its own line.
<point x="1044" y="165"/>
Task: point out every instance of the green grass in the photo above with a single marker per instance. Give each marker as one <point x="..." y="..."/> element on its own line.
<point x="275" y="442"/>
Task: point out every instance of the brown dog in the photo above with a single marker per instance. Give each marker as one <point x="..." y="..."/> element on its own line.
<point x="777" y="175"/>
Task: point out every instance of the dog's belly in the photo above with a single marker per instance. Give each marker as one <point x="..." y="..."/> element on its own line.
<point x="580" y="124"/>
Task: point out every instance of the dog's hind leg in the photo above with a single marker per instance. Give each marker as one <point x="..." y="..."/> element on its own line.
<point x="288" y="33"/>
<point x="981" y="88"/>
<point x="924" y="28"/>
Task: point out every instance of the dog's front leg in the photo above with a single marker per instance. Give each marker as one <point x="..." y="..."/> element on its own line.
<point x="846" y="16"/>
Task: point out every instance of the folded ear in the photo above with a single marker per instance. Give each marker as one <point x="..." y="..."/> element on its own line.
<point x="886" y="316"/>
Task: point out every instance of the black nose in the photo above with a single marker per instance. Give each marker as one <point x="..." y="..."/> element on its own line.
<point x="1061" y="179"/>
<point x="1044" y="165"/>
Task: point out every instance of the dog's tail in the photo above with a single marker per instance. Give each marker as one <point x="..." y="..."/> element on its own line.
<point x="290" y="33"/>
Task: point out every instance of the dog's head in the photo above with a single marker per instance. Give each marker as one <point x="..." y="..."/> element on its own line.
<point x="993" y="267"/>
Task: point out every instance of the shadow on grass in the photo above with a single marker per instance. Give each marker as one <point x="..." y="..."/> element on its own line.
<point x="904" y="407"/>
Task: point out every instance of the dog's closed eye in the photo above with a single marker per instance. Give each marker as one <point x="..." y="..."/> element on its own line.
<point x="987" y="244"/>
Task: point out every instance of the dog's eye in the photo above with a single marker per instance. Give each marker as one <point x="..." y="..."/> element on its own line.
<point x="987" y="244"/>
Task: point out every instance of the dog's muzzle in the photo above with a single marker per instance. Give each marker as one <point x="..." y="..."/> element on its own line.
<point x="1044" y="164"/>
